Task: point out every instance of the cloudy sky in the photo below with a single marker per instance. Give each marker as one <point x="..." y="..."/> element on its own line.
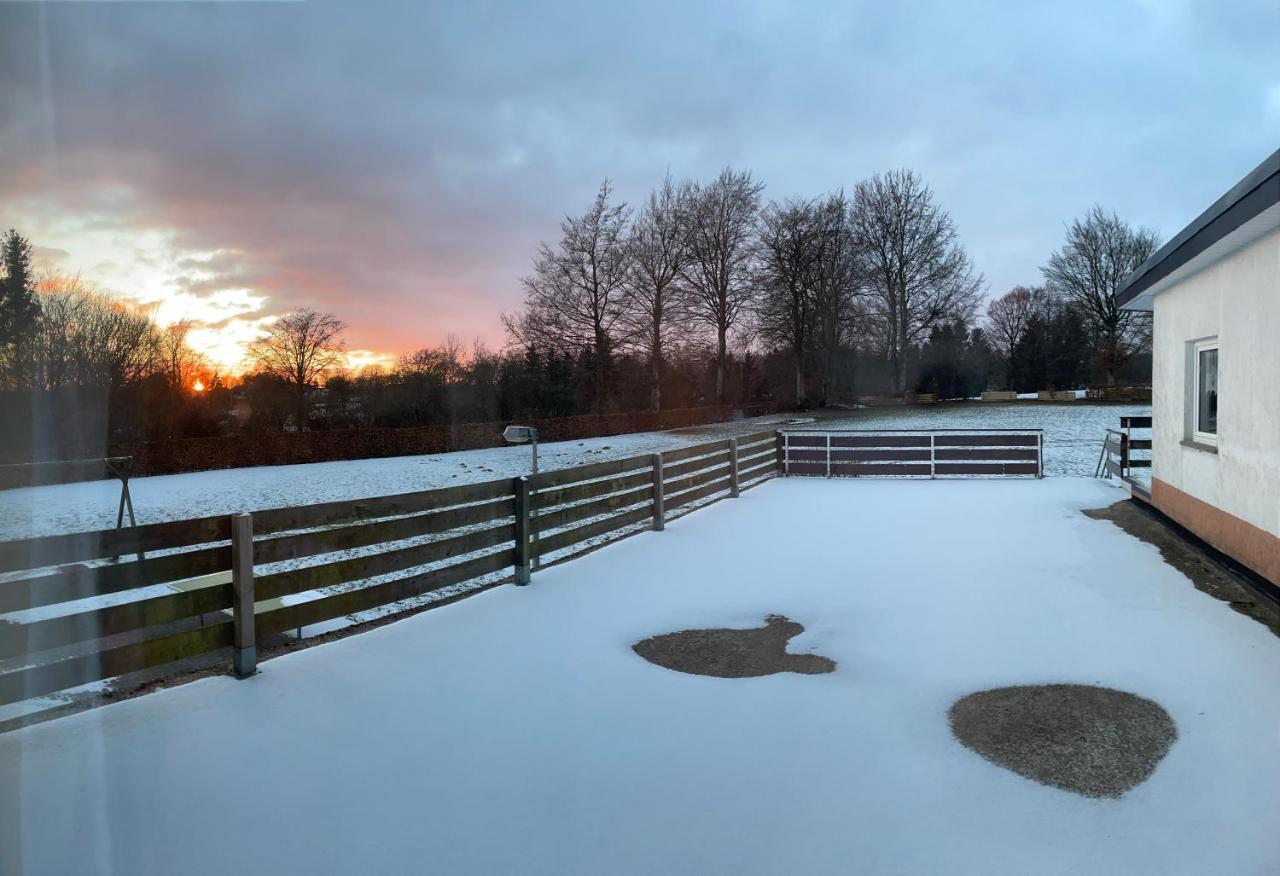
<point x="398" y="163"/>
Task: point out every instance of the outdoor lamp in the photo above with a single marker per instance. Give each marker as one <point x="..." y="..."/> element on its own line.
<point x="523" y="435"/>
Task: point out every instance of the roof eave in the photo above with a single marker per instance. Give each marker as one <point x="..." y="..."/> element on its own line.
<point x="1257" y="192"/>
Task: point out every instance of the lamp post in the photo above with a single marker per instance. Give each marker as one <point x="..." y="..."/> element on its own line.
<point x="526" y="435"/>
<point x="523" y="435"/>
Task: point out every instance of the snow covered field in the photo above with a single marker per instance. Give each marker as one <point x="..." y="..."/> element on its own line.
<point x="517" y="732"/>
<point x="1072" y="432"/>
<point x="1073" y="437"/>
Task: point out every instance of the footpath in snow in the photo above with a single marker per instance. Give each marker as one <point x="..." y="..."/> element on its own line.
<point x="517" y="732"/>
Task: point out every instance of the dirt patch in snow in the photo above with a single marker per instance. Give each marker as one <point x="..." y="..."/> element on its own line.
<point x="1205" y="573"/>
<point x="726" y="653"/>
<point x="1090" y="740"/>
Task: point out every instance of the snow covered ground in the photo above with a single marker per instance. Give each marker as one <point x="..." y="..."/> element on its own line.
<point x="517" y="732"/>
<point x="1073" y="437"/>
<point x="1073" y="432"/>
<point x="92" y="505"/>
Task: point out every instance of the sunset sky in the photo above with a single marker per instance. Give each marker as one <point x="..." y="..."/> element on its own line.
<point x="397" y="164"/>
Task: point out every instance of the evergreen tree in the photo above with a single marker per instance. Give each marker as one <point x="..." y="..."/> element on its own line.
<point x="19" y="306"/>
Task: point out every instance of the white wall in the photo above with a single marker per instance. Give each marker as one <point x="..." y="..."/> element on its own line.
<point x="1236" y="299"/>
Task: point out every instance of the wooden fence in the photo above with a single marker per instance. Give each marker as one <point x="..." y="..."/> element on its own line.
<point x="1117" y="458"/>
<point x="98" y="605"/>
<point x="914" y="453"/>
<point x="1119" y="393"/>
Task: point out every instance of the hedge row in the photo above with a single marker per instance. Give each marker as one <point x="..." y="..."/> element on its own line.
<point x="290" y="448"/>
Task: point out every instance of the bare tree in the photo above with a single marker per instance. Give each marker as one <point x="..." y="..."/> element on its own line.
<point x="718" y="270"/>
<point x="658" y="301"/>
<point x="1008" y="318"/>
<point x="1100" y="252"/>
<point x="89" y="339"/>
<point x="577" y="295"/>
<point x="913" y="263"/>
<point x="182" y="365"/>
<point x="790" y="246"/>
<point x="445" y="363"/>
<point x="837" y="287"/>
<point x="300" y="348"/>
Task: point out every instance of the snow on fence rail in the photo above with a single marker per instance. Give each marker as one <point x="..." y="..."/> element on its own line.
<point x="78" y="613"/>
<point x="933" y="453"/>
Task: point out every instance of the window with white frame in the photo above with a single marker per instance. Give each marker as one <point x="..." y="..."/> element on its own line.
<point x="1204" y="389"/>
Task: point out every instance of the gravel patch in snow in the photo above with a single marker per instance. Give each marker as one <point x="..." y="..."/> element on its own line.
<point x="1090" y="740"/>
<point x="730" y="653"/>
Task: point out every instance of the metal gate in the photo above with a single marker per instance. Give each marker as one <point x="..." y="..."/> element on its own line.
<point x="913" y="453"/>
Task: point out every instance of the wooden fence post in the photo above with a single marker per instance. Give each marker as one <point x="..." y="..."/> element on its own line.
<point x="522" y="531"/>
<point x="245" y="652"/>
<point x="734" y="492"/>
<point x="659" y="499"/>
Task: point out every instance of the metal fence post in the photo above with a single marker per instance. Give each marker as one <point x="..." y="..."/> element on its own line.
<point x="535" y="545"/>
<point x="828" y="439"/>
<point x="245" y="652"/>
<point x="933" y="456"/>
<point x="522" y="530"/>
<point x="734" y="491"/>
<point x="659" y="500"/>
<point x="784" y="453"/>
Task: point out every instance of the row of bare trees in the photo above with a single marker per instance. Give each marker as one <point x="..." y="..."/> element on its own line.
<point x="615" y="280"/>
<point x="1074" y="315"/>
<point x="84" y="338"/>
<point x="705" y="292"/>
<point x="878" y="269"/>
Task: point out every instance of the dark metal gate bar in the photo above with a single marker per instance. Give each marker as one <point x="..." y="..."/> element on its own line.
<point x="913" y="453"/>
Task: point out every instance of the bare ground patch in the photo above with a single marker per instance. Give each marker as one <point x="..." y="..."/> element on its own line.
<point x="728" y="653"/>
<point x="1089" y="740"/>
<point x="1206" y="574"/>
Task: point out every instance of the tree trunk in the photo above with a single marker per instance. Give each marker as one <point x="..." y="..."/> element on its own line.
<point x="301" y="409"/>
<point x="722" y="356"/>
<point x="655" y="394"/>
<point x="601" y="372"/>
<point x="902" y="355"/>
<point x="900" y="374"/>
<point x="802" y="399"/>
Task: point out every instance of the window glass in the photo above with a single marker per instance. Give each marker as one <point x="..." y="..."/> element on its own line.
<point x="1207" y="392"/>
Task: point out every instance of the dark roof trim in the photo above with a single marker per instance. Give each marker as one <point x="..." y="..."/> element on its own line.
<point x="1249" y="197"/>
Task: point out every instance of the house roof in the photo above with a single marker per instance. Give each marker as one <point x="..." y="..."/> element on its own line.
<point x="1250" y="210"/>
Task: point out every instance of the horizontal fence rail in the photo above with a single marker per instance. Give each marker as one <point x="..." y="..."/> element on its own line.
<point x="1117" y="458"/>
<point x="913" y="453"/>
<point x="85" y="607"/>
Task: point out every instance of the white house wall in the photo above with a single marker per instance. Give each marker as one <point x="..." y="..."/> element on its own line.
<point x="1236" y="300"/>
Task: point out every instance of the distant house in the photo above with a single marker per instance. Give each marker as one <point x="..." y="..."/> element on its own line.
<point x="1214" y="291"/>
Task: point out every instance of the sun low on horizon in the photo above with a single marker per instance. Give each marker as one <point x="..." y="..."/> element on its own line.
<point x="151" y="272"/>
